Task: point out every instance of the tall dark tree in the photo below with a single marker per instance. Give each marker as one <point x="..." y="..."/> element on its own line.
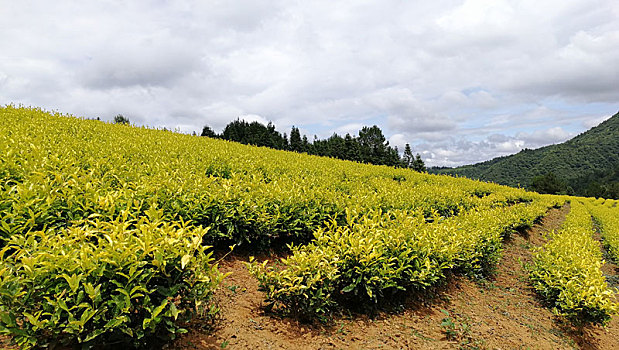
<point x="208" y="132"/>
<point x="120" y="119"/>
<point x="254" y="133"/>
<point x="336" y="147"/>
<point x="370" y="147"/>
<point x="296" y="144"/>
<point x="418" y="164"/>
<point x="235" y="131"/>
<point x="353" y="151"/>
<point x="319" y="147"/>
<point x="372" y="142"/>
<point x="393" y="157"/>
<point x="307" y="147"/>
<point x="407" y="158"/>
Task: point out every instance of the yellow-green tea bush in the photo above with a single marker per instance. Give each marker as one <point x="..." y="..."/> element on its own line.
<point x="376" y="254"/>
<point x="55" y="169"/>
<point x="566" y="271"/>
<point x="606" y="215"/>
<point x="67" y="182"/>
<point x="131" y="282"/>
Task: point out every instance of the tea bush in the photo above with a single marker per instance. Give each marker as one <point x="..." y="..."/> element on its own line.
<point x="606" y="213"/>
<point x="83" y="203"/>
<point x="127" y="282"/>
<point x="566" y="271"/>
<point x="71" y="168"/>
<point x="378" y="253"/>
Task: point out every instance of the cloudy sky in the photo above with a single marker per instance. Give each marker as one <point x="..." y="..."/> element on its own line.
<point x="461" y="81"/>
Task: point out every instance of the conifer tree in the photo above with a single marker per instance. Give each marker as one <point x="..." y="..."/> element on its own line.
<point x="407" y="157"/>
<point x="296" y="144"/>
<point x="208" y="132"/>
<point x="120" y="119"/>
<point x="418" y="164"/>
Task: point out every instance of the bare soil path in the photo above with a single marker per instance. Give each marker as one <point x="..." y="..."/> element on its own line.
<point x="501" y="313"/>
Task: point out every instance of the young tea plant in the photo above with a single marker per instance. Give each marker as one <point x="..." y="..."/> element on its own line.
<point x="449" y="326"/>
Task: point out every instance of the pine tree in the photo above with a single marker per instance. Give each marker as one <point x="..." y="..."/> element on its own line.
<point x="372" y="142"/>
<point x="120" y="119"/>
<point x="208" y="132"/>
<point x="353" y="152"/>
<point x="296" y="144"/>
<point x="307" y="147"/>
<point x="418" y="164"/>
<point x="407" y="158"/>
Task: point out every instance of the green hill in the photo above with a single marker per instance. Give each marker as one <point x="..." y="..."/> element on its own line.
<point x="587" y="165"/>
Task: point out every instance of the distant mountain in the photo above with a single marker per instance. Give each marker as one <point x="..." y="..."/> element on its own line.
<point x="586" y="165"/>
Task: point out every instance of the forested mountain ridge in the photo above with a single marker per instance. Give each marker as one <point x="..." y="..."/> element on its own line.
<point x="587" y="164"/>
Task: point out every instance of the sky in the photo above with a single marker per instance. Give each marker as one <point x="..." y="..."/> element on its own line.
<point x="461" y="81"/>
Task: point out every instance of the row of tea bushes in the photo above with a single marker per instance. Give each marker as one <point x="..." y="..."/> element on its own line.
<point x="83" y="203"/>
<point x="606" y="214"/>
<point x="128" y="281"/>
<point x="567" y="273"/>
<point x="373" y="255"/>
<point x="56" y="169"/>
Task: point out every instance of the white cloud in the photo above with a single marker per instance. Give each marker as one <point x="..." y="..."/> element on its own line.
<point x="399" y="141"/>
<point x="352" y="129"/>
<point x="444" y="76"/>
<point x="594" y="121"/>
<point x="454" y="151"/>
<point x="253" y="118"/>
<point x="540" y="138"/>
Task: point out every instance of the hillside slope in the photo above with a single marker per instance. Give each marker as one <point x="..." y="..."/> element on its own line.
<point x="588" y="163"/>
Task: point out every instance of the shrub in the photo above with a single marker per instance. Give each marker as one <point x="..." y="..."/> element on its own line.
<point x="373" y="255"/>
<point x="606" y="214"/>
<point x="129" y="281"/>
<point x="566" y="272"/>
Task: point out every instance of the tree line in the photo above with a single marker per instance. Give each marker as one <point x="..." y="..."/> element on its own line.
<point x="597" y="184"/>
<point x="370" y="146"/>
